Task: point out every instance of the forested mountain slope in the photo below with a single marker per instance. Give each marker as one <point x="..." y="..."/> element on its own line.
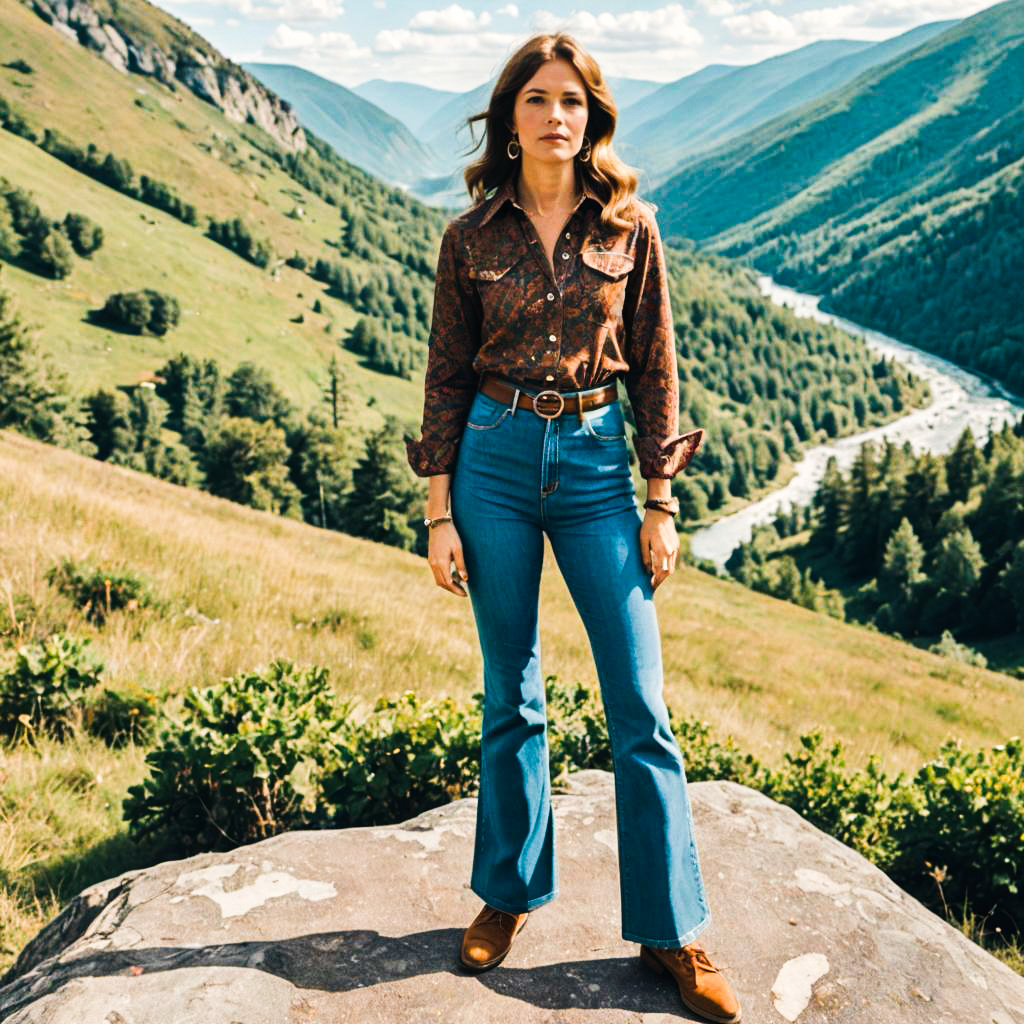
<point x="899" y="197"/>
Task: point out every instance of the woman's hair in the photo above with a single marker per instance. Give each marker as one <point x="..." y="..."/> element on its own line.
<point x="612" y="180"/>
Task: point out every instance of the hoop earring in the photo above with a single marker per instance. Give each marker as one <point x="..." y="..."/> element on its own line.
<point x="508" y="149"/>
<point x="585" y="156"/>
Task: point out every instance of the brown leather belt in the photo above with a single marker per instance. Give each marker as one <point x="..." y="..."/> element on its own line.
<point x="548" y="403"/>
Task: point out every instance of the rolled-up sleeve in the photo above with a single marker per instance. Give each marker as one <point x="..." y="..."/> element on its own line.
<point x="652" y="381"/>
<point x="450" y="381"/>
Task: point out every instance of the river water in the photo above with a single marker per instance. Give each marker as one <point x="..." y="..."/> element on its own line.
<point x="960" y="399"/>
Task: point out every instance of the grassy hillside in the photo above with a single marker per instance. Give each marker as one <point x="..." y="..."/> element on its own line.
<point x="231" y="309"/>
<point x="898" y="197"/>
<point x="242" y="587"/>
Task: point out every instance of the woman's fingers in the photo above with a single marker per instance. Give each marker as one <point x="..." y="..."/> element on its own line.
<point x="660" y="564"/>
<point x="441" y="558"/>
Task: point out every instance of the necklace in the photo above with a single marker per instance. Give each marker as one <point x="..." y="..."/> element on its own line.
<point x="544" y="216"/>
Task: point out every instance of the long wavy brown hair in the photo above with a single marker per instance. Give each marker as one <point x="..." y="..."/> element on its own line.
<point x="613" y="181"/>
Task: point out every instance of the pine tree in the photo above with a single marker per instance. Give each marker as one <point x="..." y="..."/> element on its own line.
<point x="958" y="565"/>
<point x="964" y="465"/>
<point x="33" y="392"/>
<point x="246" y="461"/>
<point x="385" y="492"/>
<point x="903" y="563"/>
<point x="829" y="504"/>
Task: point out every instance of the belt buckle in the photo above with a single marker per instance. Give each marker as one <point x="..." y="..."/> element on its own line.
<point x="540" y="395"/>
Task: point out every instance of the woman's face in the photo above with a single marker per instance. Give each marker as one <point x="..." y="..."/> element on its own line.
<point x="550" y="113"/>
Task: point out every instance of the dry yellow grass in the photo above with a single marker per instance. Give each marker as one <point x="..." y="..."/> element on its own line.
<point x="243" y="585"/>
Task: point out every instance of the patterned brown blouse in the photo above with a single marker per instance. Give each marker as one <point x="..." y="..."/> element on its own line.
<point x="603" y="314"/>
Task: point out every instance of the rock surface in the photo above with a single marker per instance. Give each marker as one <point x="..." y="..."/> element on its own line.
<point x="364" y="925"/>
<point x="211" y="77"/>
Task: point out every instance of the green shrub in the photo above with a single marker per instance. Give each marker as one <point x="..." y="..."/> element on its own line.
<point x="964" y="829"/>
<point x="245" y="763"/>
<point x="99" y="592"/>
<point x="84" y="234"/>
<point x="119" y="718"/>
<point x="860" y="809"/>
<point x="47" y="686"/>
<point x="145" y="311"/>
<point x="404" y="758"/>
<point x="577" y="730"/>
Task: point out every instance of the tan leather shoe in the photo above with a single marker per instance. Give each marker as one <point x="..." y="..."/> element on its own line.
<point x="702" y="986"/>
<point x="489" y="938"/>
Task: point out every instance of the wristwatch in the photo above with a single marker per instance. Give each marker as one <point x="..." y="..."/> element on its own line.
<point x="446" y="518"/>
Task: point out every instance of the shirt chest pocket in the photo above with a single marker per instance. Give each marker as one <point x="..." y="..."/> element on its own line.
<point x="604" y="276"/>
<point x="496" y="278"/>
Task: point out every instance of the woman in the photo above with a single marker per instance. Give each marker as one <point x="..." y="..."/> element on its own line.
<point x="547" y="291"/>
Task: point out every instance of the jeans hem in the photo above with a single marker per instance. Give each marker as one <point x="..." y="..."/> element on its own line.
<point x="522" y="908"/>
<point x="677" y="943"/>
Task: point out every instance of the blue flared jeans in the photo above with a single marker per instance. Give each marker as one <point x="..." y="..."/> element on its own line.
<point x="518" y="477"/>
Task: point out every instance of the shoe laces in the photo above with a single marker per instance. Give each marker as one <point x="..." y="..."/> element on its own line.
<point x="693" y="952"/>
<point x="506" y="921"/>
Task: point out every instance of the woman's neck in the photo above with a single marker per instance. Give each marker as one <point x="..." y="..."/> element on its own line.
<point x="546" y="187"/>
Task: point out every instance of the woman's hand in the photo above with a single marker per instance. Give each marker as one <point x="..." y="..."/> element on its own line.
<point x="659" y="545"/>
<point x="443" y="548"/>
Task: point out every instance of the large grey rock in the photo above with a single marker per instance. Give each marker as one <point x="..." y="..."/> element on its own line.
<point x="218" y="81"/>
<point x="364" y="924"/>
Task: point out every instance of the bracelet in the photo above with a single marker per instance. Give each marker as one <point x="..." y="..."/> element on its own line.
<point x="669" y="505"/>
<point x="428" y="522"/>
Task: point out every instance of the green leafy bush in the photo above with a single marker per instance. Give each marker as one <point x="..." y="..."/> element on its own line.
<point x="245" y="763"/>
<point x="145" y="311"/>
<point x="404" y="758"/>
<point x="99" y="592"/>
<point x="119" y="718"/>
<point x="861" y="808"/>
<point x="964" y="829"/>
<point x="47" y="686"/>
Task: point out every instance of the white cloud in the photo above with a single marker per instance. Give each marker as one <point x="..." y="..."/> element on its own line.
<point x="718" y="8"/>
<point x="284" y="37"/>
<point x="663" y="28"/>
<point x="509" y="10"/>
<point x="892" y="14"/>
<point x="404" y="40"/>
<point x="764" y="26"/>
<point x="452" y="20"/>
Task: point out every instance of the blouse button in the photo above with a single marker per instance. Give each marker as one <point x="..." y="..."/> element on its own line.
<point x="568" y="234"/>
<point x="549" y="377"/>
<point x="565" y="255"/>
<point x="551" y="296"/>
<point x="552" y="337"/>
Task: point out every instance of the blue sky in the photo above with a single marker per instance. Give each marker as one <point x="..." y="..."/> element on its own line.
<point x="459" y="45"/>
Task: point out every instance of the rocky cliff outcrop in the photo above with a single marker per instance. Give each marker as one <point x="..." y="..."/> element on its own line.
<point x="364" y="924"/>
<point x="205" y="72"/>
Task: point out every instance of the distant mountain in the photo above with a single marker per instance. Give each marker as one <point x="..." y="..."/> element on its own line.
<point x="627" y="92"/>
<point x="698" y="120"/>
<point x="407" y="102"/>
<point x="670" y="94"/>
<point x="900" y="196"/>
<point x="832" y="76"/>
<point x="357" y="129"/>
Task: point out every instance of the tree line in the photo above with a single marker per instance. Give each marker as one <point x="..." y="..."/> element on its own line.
<point x="234" y="434"/>
<point x="920" y="544"/>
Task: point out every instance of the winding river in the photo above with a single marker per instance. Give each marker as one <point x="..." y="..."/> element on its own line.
<point x="960" y="399"/>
